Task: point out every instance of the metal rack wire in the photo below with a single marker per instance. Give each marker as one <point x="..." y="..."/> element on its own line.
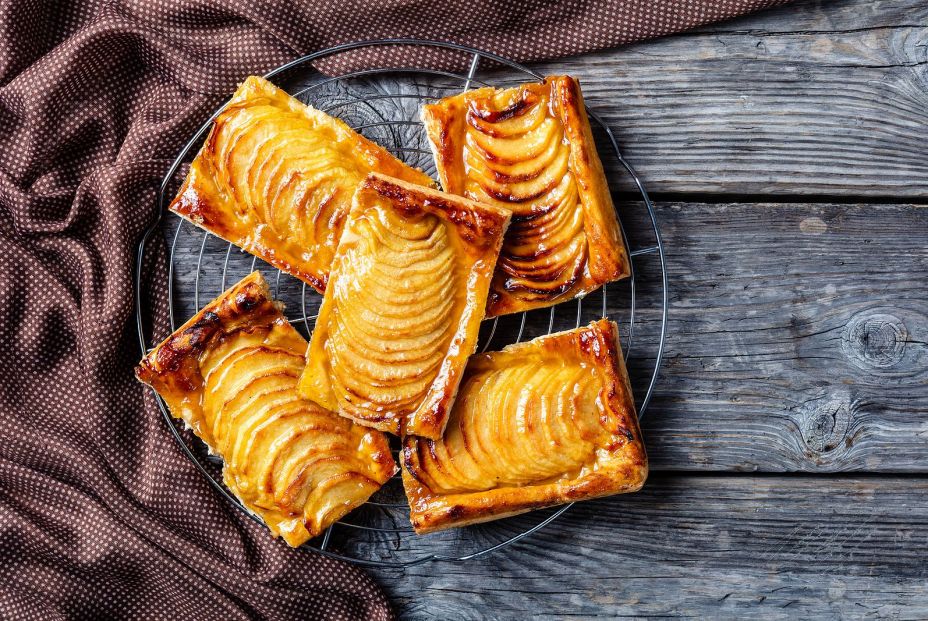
<point x="379" y="534"/>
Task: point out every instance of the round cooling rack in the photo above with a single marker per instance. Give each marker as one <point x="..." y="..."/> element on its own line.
<point x="383" y="104"/>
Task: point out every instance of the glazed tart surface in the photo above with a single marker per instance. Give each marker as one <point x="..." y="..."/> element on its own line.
<point x="231" y="373"/>
<point x="530" y="149"/>
<point x="403" y="309"/>
<point x="275" y="177"/>
<point x="537" y="424"/>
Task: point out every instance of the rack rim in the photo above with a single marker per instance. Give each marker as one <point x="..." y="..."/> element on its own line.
<point x="478" y="54"/>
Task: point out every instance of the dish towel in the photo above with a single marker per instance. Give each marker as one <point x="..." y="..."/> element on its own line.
<point x="101" y="516"/>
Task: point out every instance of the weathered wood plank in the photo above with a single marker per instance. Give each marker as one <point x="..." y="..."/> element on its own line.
<point x="814" y="98"/>
<point x="798" y="339"/>
<point x="703" y="547"/>
<point x="825" y="15"/>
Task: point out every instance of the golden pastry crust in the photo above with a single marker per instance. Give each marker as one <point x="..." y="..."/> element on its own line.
<point x="537" y="424"/>
<point x="275" y="177"/>
<point x="530" y="149"/>
<point x="231" y="374"/>
<point x="403" y="307"/>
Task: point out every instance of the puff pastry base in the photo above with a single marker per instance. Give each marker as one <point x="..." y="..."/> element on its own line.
<point x="537" y="424"/>
<point x="230" y="373"/>
<point x="530" y="149"/>
<point x="403" y="307"/>
<point x="275" y="177"/>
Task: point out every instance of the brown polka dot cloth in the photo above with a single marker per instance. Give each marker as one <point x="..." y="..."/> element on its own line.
<point x="100" y="514"/>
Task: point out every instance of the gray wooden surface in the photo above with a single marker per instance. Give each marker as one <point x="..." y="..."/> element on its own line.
<point x="705" y="546"/>
<point x="789" y="430"/>
<point x="788" y="433"/>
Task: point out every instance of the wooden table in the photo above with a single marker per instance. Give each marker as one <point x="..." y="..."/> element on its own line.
<point x="788" y="435"/>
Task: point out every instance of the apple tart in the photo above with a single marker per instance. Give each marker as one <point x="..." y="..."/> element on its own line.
<point x="403" y="307"/>
<point x="231" y="373"/>
<point x="530" y="149"/>
<point x="540" y="423"/>
<point x="275" y="177"/>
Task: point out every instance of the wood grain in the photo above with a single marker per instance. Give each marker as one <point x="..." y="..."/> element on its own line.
<point x="797" y="337"/>
<point x="797" y="340"/>
<point x="703" y="547"/>
<point x="814" y="98"/>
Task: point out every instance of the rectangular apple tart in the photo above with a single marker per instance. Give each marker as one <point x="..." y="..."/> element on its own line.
<point x="403" y="307"/>
<point x="275" y="177"/>
<point x="230" y="373"/>
<point x="537" y="424"/>
<point x="530" y="149"/>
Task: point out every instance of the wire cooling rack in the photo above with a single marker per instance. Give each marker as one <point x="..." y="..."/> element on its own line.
<point x="383" y="105"/>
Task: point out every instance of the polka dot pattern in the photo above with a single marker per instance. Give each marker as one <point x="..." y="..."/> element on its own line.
<point x="100" y="515"/>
